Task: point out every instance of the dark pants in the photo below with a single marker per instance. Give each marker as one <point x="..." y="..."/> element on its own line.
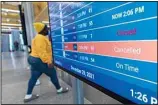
<point x="37" y="68"/>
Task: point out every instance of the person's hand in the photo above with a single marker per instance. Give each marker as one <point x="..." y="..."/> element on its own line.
<point x="50" y="65"/>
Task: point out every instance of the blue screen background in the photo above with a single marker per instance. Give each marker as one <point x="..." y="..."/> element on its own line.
<point x="80" y="22"/>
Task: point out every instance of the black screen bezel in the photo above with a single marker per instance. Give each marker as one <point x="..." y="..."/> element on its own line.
<point x="98" y="87"/>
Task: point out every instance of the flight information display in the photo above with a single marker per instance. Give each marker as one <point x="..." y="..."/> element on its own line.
<point x="111" y="44"/>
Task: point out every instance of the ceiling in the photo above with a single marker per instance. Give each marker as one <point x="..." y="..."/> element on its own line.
<point x="11" y="17"/>
<point x="40" y="11"/>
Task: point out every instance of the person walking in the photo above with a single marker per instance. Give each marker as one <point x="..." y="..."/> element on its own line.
<point x="29" y="51"/>
<point x="16" y="45"/>
<point x="40" y="60"/>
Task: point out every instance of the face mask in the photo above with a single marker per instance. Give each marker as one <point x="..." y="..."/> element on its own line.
<point x="49" y="35"/>
<point x="48" y="32"/>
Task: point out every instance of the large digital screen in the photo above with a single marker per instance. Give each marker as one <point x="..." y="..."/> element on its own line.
<point x="111" y="44"/>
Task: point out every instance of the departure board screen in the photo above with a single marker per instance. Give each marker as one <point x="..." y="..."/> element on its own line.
<point x="111" y="44"/>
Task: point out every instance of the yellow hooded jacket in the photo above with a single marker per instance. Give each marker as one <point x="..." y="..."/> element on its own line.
<point x="41" y="46"/>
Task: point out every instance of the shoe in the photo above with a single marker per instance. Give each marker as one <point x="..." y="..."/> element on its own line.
<point x="38" y="82"/>
<point x="64" y="90"/>
<point x="32" y="98"/>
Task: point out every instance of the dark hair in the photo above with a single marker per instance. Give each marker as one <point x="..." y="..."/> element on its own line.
<point x="44" y="31"/>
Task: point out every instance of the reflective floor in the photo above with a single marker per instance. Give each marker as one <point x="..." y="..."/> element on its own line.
<point x="15" y="75"/>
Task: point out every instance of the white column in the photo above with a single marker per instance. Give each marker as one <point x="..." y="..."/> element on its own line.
<point x="29" y="20"/>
